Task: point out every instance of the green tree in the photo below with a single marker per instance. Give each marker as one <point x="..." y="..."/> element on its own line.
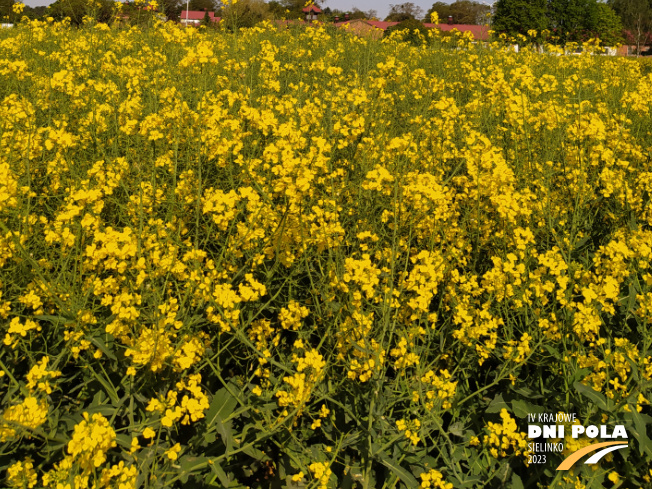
<point x="207" y="5"/>
<point x="101" y="10"/>
<point x="573" y="20"/>
<point x="636" y="16"/>
<point x="462" y="11"/>
<point x="330" y="14"/>
<point x="245" y="13"/>
<point x="206" y="21"/>
<point x="5" y="9"/>
<point x="518" y="16"/>
<point x="35" y="12"/>
<point x="356" y="13"/>
<point x="609" y="27"/>
<point x="412" y="37"/>
<point x="276" y="9"/>
<point x="404" y="11"/>
<point x="171" y="8"/>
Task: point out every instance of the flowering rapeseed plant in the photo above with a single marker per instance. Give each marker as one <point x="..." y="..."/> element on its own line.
<point x="297" y="256"/>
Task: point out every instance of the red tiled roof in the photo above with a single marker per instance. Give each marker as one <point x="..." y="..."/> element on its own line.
<point x="313" y="8"/>
<point x="195" y="15"/>
<point x="479" y="31"/>
<point x="380" y="24"/>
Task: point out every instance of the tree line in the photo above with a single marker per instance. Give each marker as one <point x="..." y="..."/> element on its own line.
<point x="250" y="12"/>
<point x="557" y="21"/>
<point x="244" y="13"/>
<point x="560" y="21"/>
<point x="613" y="22"/>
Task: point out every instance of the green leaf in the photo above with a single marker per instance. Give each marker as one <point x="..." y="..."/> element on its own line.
<point x="108" y="387"/>
<point x="503" y="471"/>
<point x="637" y="425"/>
<point x="105" y="411"/>
<point x="255" y="453"/>
<point x="631" y="302"/>
<point x="190" y="465"/>
<point x="393" y="465"/>
<point x="224" y="429"/>
<point x="528" y="393"/>
<point x="476" y="465"/>
<point x="222" y="406"/>
<point x="457" y="429"/>
<point x="347" y="481"/>
<point x="100" y="405"/>
<point x="553" y="351"/>
<point x="219" y="472"/>
<point x="424" y="464"/>
<point x="497" y="404"/>
<point x="597" y="398"/>
<point x="523" y="408"/>
<point x="517" y="483"/>
<point x="634" y="368"/>
<point x="54" y="319"/>
<point x="458" y="454"/>
<point x="102" y="347"/>
<point x="209" y="439"/>
<point x="349" y="439"/>
<point x="99" y="398"/>
<point x="465" y="481"/>
<point x="580" y="373"/>
<point x="123" y="440"/>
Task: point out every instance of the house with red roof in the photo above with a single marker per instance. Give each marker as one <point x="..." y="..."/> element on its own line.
<point x="195" y="17"/>
<point x="311" y="12"/>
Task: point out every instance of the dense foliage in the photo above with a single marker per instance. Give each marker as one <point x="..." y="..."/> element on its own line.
<point x="415" y="32"/>
<point x="636" y="17"/>
<point x="566" y="20"/>
<point x="461" y="12"/>
<point x="299" y="258"/>
<point x="404" y="11"/>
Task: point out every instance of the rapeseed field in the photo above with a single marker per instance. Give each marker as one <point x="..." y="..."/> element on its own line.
<point x="299" y="258"/>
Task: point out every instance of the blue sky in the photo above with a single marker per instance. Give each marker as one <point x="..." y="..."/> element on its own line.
<point x="382" y="7"/>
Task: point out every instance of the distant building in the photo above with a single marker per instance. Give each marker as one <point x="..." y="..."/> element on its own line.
<point x="195" y="17"/>
<point x="311" y="12"/>
<point x="629" y="45"/>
